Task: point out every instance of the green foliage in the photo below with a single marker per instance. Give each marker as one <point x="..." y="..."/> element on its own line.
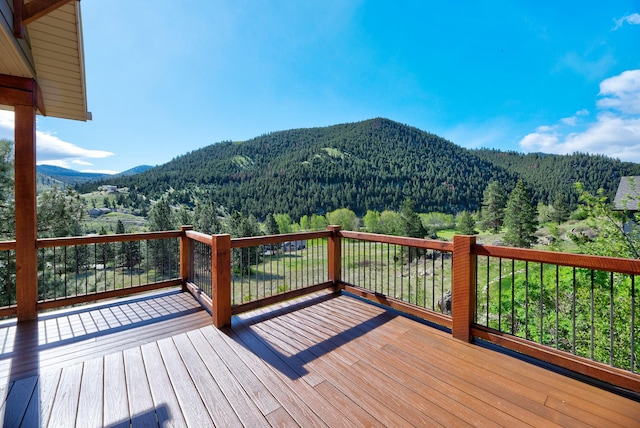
<point x="161" y="216"/>
<point x="435" y="221"/>
<point x="60" y="213"/>
<point x="465" y="223"/>
<point x="371" y="221"/>
<point x="520" y="218"/>
<point x="129" y="254"/>
<point x="7" y="215"/>
<point x="494" y="202"/>
<point x="411" y="223"/>
<point x="373" y="165"/>
<point x="575" y="310"/>
<point x="205" y="218"/>
<point x="164" y="252"/>
<point x="608" y="236"/>
<point x="271" y="225"/>
<point x="549" y="175"/>
<point x="560" y="211"/>
<point x="343" y="217"/>
<point x="239" y="226"/>
<point x="318" y="222"/>
<point x="284" y="223"/>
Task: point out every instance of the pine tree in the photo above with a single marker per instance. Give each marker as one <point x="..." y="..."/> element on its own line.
<point x="466" y="224"/>
<point x="271" y="225"/>
<point x="164" y="252"/>
<point x="520" y="218"/>
<point x="129" y="254"/>
<point x="560" y="211"/>
<point x="494" y="201"/>
<point x="411" y="223"/>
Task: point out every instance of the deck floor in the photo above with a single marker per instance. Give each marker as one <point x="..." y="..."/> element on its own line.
<point x="322" y="360"/>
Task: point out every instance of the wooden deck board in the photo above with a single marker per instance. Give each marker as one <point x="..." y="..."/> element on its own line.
<point x="320" y="360"/>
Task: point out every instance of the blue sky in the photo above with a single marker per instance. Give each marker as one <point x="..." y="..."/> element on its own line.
<point x="166" y="77"/>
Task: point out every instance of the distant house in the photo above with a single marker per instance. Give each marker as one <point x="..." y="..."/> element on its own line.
<point x="108" y="188"/>
<point x="628" y="195"/>
<point x="97" y="212"/>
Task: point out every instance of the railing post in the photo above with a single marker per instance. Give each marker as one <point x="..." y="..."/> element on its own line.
<point x="335" y="255"/>
<point x="463" y="290"/>
<point x="25" y="215"/>
<point x="186" y="255"/>
<point x="221" y="280"/>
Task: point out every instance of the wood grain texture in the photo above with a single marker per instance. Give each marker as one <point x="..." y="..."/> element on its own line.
<point x="319" y="360"/>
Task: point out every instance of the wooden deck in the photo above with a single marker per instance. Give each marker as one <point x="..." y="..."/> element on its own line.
<point x="322" y="360"/>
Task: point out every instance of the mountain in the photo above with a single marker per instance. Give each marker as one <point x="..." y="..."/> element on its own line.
<point x="133" y="171"/>
<point x="548" y="174"/>
<point x="55" y="175"/>
<point x="374" y="164"/>
<point x="69" y="176"/>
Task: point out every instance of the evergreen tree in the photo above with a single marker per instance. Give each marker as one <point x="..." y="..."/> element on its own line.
<point x="164" y="252"/>
<point x="184" y="216"/>
<point x="494" y="201"/>
<point x="161" y="216"/>
<point x="129" y="254"/>
<point x="466" y="224"/>
<point x="7" y="206"/>
<point x="520" y="218"/>
<point x="60" y="213"/>
<point x="560" y="211"/>
<point x="205" y="218"/>
<point x="243" y="258"/>
<point x="411" y="223"/>
<point x="271" y="225"/>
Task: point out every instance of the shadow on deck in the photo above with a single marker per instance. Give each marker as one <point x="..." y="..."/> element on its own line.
<point x="323" y="359"/>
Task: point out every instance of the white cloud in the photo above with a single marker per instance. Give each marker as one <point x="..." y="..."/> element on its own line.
<point x="615" y="131"/>
<point x="621" y="92"/>
<point x="100" y="171"/>
<point x="633" y="19"/>
<point x="49" y="148"/>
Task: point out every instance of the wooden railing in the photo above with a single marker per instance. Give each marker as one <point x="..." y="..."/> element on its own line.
<point x="230" y="276"/>
<point x="82" y="269"/>
<point x="516" y="298"/>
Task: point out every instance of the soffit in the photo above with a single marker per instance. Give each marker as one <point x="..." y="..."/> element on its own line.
<point x="52" y="53"/>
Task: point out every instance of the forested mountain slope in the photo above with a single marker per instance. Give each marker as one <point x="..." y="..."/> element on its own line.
<point x="374" y="164"/>
<point x="548" y="175"/>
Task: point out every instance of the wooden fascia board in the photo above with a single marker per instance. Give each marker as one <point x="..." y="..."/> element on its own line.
<point x="20" y="91"/>
<point x="39" y="8"/>
<point x="18" y="26"/>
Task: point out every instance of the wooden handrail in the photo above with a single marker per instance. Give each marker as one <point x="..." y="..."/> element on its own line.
<point x="7" y="245"/>
<point x="101" y="239"/>
<point x="254" y="241"/>
<point x="607" y="264"/>
<point x="427" y="244"/>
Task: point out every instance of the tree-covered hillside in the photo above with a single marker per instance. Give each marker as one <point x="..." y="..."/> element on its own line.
<point x="549" y="175"/>
<point x="375" y="164"/>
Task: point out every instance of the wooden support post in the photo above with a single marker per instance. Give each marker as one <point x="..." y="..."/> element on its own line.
<point x="335" y="255"/>
<point x="463" y="290"/>
<point x="186" y="254"/>
<point x="221" y="280"/>
<point x="26" y="216"/>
